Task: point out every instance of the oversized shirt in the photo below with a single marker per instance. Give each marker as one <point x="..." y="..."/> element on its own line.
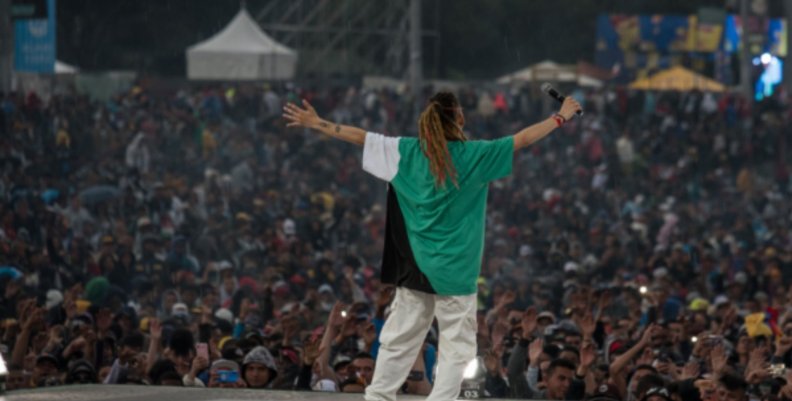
<point x="434" y="237"/>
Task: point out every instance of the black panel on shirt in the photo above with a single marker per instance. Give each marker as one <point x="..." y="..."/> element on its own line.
<point x="398" y="262"/>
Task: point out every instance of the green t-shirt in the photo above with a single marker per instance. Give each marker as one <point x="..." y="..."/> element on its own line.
<point x="445" y="225"/>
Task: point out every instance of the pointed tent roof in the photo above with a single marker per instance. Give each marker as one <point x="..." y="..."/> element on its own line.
<point x="63" y="68"/>
<point x="679" y="79"/>
<point x="241" y="35"/>
<point x="549" y="70"/>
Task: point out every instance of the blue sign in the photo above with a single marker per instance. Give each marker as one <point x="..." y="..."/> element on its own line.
<point x="34" y="43"/>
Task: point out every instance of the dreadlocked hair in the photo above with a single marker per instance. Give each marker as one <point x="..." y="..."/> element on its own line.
<point x="436" y="126"/>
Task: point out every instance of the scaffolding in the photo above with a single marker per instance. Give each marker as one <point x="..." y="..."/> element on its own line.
<point x="346" y="38"/>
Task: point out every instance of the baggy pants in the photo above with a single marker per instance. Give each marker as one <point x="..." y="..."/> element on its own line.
<point x="402" y="337"/>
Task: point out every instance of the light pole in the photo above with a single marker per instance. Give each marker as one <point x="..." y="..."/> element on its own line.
<point x="745" y="54"/>
<point x="416" y="54"/>
<point x="6" y="46"/>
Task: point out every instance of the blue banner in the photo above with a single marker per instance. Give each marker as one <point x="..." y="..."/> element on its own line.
<point x="634" y="46"/>
<point x="34" y="43"/>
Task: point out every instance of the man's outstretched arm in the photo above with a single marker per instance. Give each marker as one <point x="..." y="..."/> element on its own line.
<point x="540" y="130"/>
<point x="306" y="117"/>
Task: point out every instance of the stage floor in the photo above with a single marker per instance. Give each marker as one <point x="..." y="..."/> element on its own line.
<point x="160" y="393"/>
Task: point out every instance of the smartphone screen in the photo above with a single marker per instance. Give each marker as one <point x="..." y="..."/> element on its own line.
<point x="227" y="376"/>
<point x="202" y="349"/>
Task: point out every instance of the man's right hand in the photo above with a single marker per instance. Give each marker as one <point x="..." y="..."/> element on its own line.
<point x="569" y="108"/>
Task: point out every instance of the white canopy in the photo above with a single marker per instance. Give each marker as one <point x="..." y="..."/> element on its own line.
<point x="550" y="71"/>
<point x="241" y="51"/>
<point x="65" y="69"/>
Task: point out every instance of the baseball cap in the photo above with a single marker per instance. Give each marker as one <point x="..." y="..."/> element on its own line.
<point x="657" y="391"/>
<point x="721" y="300"/>
<point x="605" y="392"/>
<point x="546" y="315"/>
<point x="571" y="267"/>
<point x="341" y="360"/>
<point x="325" y="385"/>
<point x="225" y="364"/>
<point x="54" y="297"/>
<point x="180" y="309"/>
<point x="224" y="314"/>
<point x="143" y="222"/>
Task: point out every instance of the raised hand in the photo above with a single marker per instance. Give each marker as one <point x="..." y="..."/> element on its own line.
<point x="690" y="371"/>
<point x="587" y="325"/>
<point x="301" y="117"/>
<point x="646" y="357"/>
<point x="786" y="391"/>
<point x="349" y="273"/>
<point x="528" y="322"/>
<point x="492" y="362"/>
<point x="499" y="331"/>
<point x="605" y="300"/>
<point x="385" y="296"/>
<point x="650" y="332"/>
<point x="55" y="336"/>
<point x="784" y="345"/>
<point x="155" y="329"/>
<point x="311" y="353"/>
<point x="35" y="319"/>
<point x="507" y="298"/>
<point x="535" y="351"/>
<point x="569" y="108"/>
<point x="719" y="359"/>
<point x="291" y="328"/>
<point x="199" y="363"/>
<point x="756" y="361"/>
<point x="588" y="355"/>
<point x="368" y="333"/>
<point x="336" y="318"/>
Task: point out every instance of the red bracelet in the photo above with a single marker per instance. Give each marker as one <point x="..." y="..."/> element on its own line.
<point x="559" y="121"/>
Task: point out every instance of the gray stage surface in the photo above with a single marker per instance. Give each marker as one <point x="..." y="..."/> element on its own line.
<point x="159" y="393"/>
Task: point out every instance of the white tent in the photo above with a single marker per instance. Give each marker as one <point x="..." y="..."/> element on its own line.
<point x="241" y="51"/>
<point x="65" y="69"/>
<point x="550" y="71"/>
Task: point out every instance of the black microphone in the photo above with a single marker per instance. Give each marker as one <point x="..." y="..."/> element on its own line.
<point x="547" y="88"/>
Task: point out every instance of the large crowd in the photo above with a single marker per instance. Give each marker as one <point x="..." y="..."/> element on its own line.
<point x="640" y="253"/>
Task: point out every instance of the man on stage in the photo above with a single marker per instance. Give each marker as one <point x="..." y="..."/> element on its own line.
<point x="437" y="197"/>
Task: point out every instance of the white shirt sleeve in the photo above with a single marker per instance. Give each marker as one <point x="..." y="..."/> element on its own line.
<point x="381" y="156"/>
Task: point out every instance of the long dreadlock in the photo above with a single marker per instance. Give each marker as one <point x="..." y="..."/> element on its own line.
<point x="436" y="126"/>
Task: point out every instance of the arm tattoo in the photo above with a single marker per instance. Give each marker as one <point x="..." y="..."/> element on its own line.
<point x="337" y="129"/>
<point x="324" y="124"/>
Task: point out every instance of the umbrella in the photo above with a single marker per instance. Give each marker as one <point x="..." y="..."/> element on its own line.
<point x="50" y="195"/>
<point x="99" y="193"/>
<point x="10" y="271"/>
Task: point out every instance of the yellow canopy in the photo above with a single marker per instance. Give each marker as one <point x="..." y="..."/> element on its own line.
<point x="678" y="79"/>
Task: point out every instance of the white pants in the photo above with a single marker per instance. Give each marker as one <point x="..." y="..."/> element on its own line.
<point x="412" y="313"/>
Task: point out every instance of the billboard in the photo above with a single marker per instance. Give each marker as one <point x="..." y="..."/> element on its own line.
<point x="634" y="46"/>
<point x="34" y="43"/>
<point x="25" y="9"/>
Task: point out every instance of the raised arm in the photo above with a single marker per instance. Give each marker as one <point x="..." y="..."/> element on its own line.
<point x="540" y="130"/>
<point x="307" y="117"/>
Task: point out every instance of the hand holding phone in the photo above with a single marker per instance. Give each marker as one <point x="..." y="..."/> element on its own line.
<point x="202" y="350"/>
